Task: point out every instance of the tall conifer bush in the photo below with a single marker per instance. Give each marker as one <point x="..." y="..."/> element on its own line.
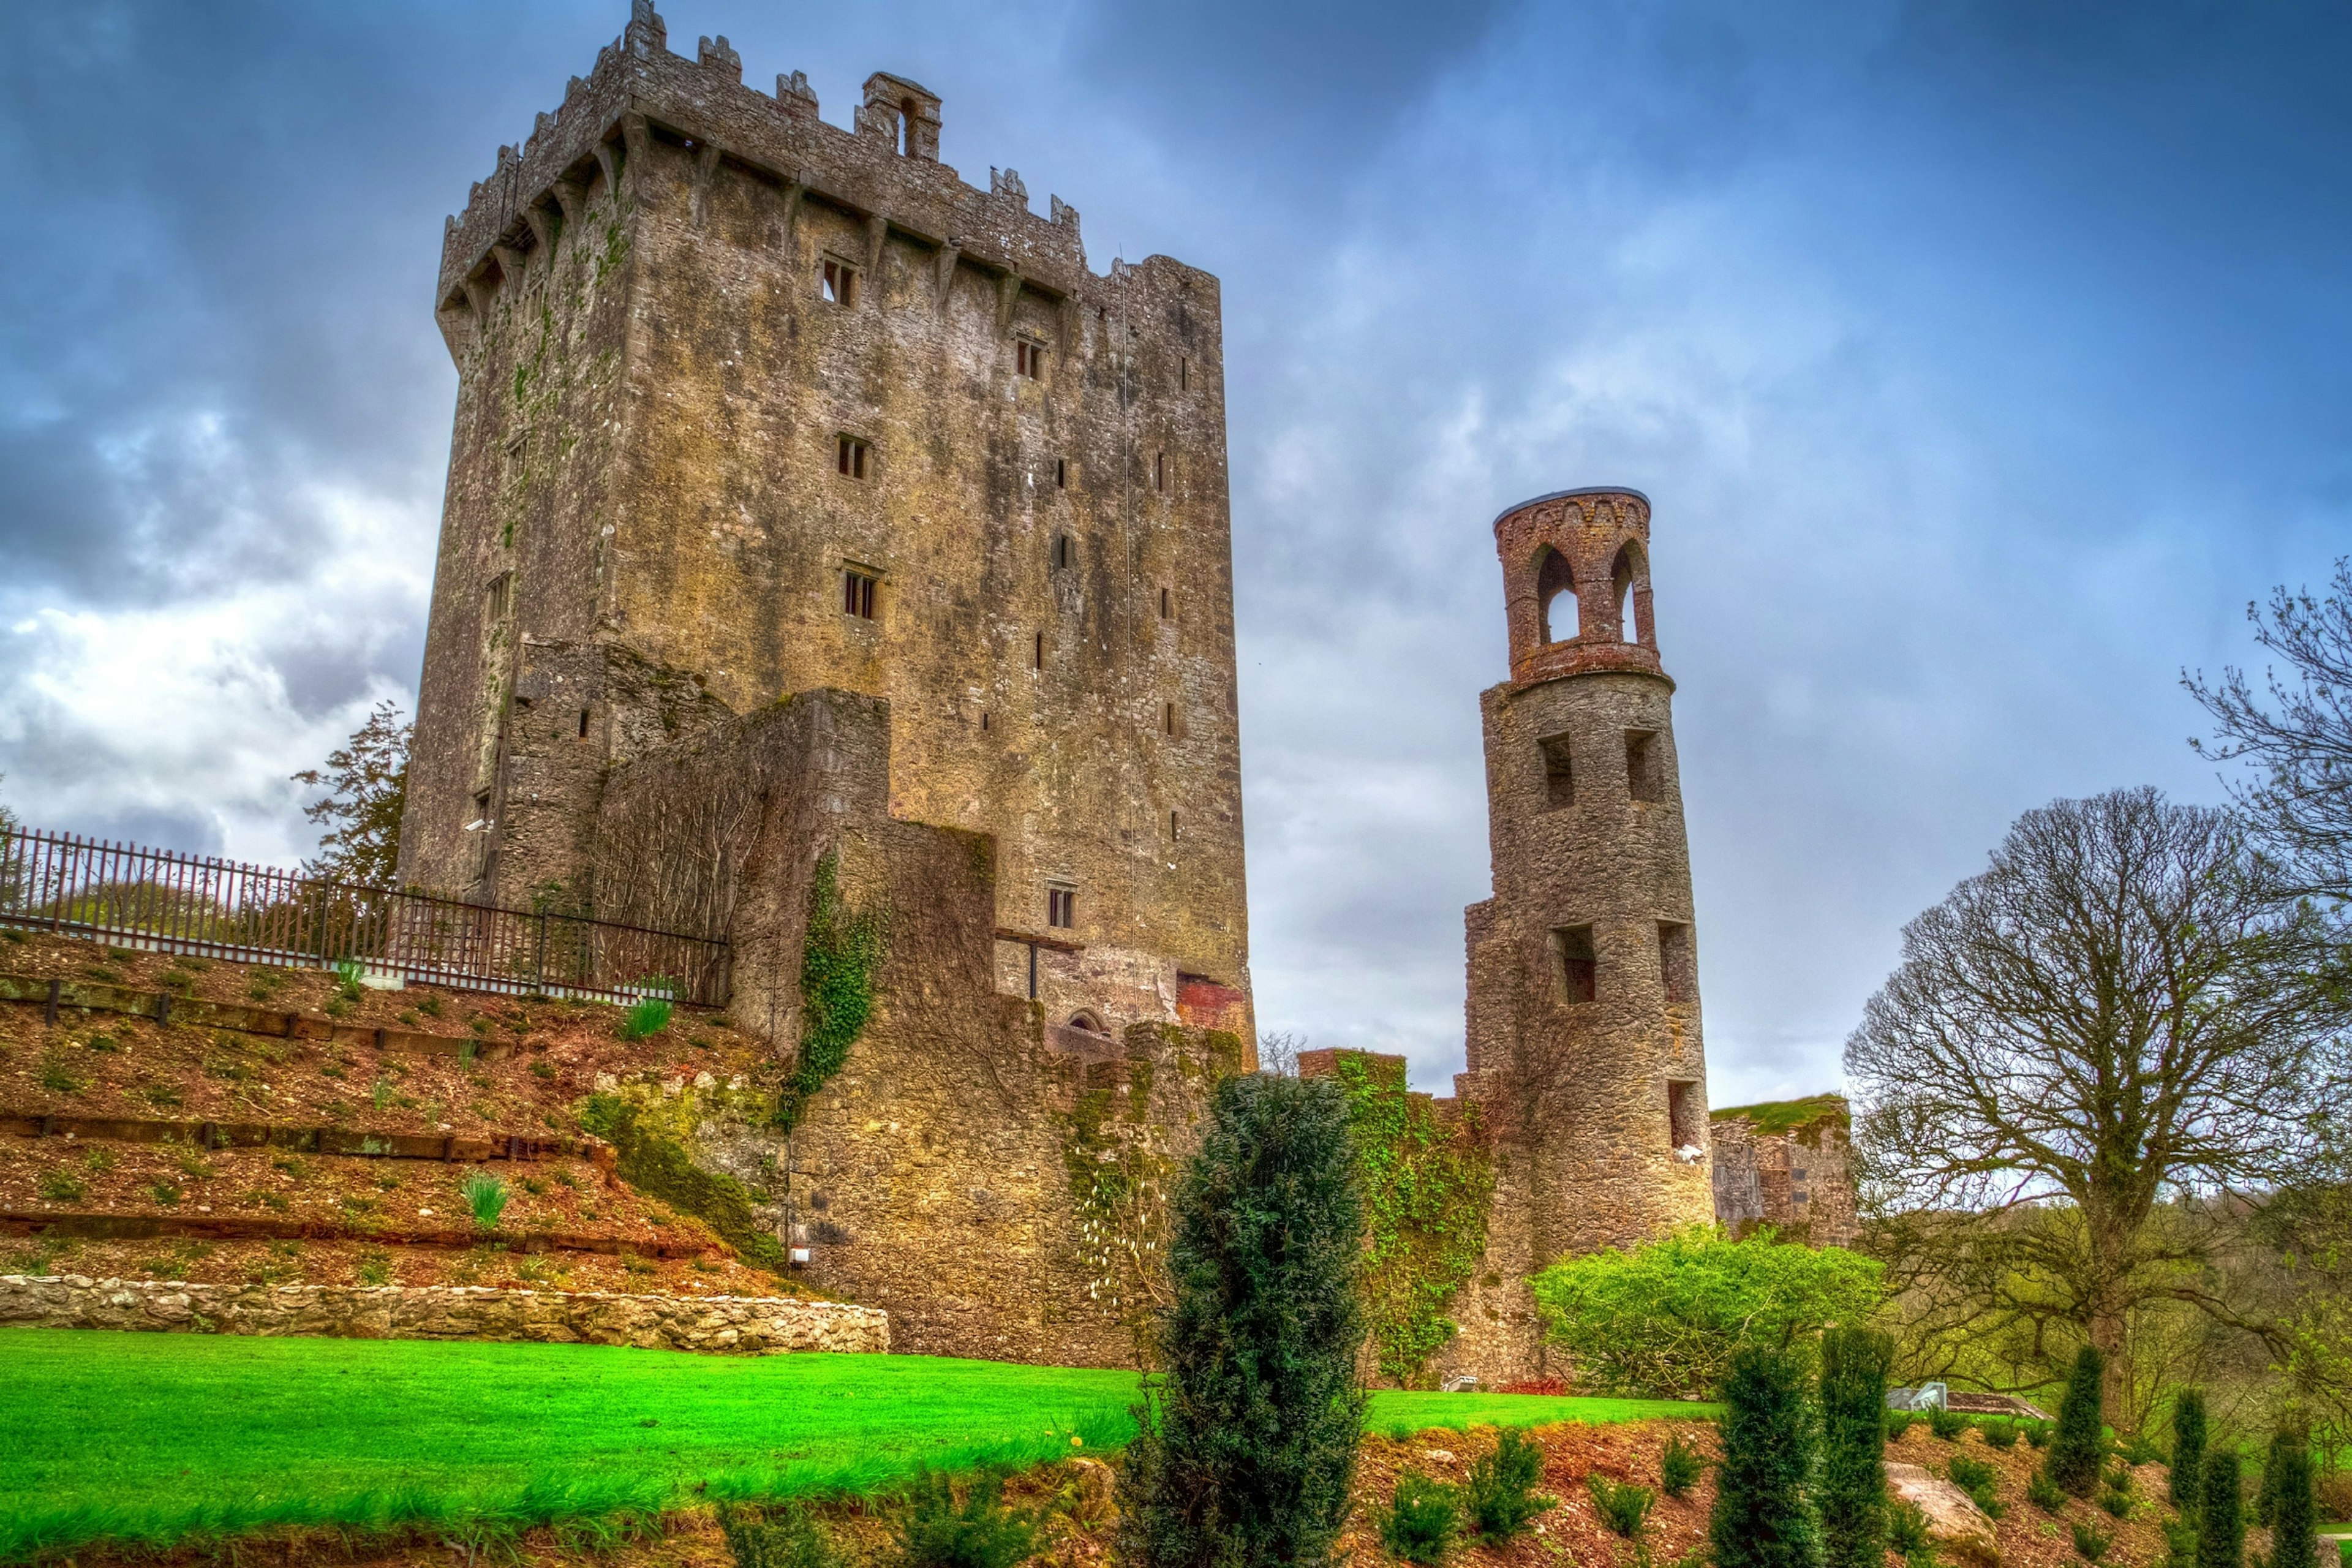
<point x="2075" y="1451"/>
<point x="1851" y="1494"/>
<point x="1248" y="1445"/>
<point x="2187" y="1447"/>
<point x="1763" y="1517"/>
<point x="2221" y="1531"/>
<point x="2294" y="1516"/>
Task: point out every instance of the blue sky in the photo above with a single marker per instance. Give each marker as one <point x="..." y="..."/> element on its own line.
<point x="1981" y="363"/>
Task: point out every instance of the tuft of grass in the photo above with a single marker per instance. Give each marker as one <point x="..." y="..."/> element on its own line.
<point x="59" y="1187"/>
<point x="786" y="1537"/>
<point x="2091" y="1541"/>
<point x="1680" y="1468"/>
<point x="650" y="1016"/>
<point x="1423" y="1520"/>
<point x="1623" y="1507"/>
<point x="56" y="1076"/>
<point x="486" y="1195"/>
<point x="165" y="1193"/>
<point x="346" y="979"/>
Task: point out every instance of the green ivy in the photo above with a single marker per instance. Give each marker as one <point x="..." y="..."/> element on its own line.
<point x="1119" y="1176"/>
<point x="838" y="959"/>
<point x="1427" y="1188"/>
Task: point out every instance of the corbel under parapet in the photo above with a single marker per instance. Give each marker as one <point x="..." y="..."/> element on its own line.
<point x="545" y="226"/>
<point x="1008" y="294"/>
<point x="878" y="230"/>
<point x="943" y="268"/>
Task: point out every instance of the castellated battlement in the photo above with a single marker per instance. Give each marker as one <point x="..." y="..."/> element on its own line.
<point x="884" y="174"/>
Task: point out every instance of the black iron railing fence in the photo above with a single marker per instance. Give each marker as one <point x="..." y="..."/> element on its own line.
<point x="170" y="902"/>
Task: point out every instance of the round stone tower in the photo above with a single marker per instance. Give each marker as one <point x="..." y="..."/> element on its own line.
<point x="1583" y="1012"/>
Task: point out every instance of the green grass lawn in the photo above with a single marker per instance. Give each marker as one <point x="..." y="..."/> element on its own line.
<point x="157" y="1436"/>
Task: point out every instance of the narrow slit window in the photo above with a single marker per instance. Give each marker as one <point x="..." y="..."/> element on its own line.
<point x="1061" y="473"/>
<point x="1641" y="769"/>
<point x="1028" y="358"/>
<point x="838" y="282"/>
<point x="1041" y="651"/>
<point x="1167" y="603"/>
<point x="499" y="598"/>
<point x="1173" y="834"/>
<point x="583" y="724"/>
<point x="850" y="456"/>
<point x="1168" y="717"/>
<point x="1677" y="974"/>
<point x="1184" y="374"/>
<point x="1062" y="907"/>
<point x="1579" y="966"/>
<point x="1159" y="471"/>
<point x="858" y="593"/>
<point x="983" y="720"/>
<point x="1066" y="552"/>
<point x="1559" y="777"/>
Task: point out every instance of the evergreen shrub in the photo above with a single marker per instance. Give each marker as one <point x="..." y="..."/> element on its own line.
<point x="2293" y="1511"/>
<point x="2091" y="1540"/>
<point x="1948" y="1425"/>
<point x="1501" y="1497"/>
<point x="2044" y="1493"/>
<point x="1762" y="1518"/>
<point x="1851" y="1491"/>
<point x="787" y="1537"/>
<point x="979" y="1531"/>
<point x="1680" y="1468"/>
<point x="1623" y="1506"/>
<point x="1246" y="1447"/>
<point x="2221" y="1526"/>
<point x="2080" y="1444"/>
<point x="1423" y="1520"/>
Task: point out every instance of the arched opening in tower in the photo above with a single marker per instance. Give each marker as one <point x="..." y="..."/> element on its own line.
<point x="1627" y="578"/>
<point x="1556" y="596"/>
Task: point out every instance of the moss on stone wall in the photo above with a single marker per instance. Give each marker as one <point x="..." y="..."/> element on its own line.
<point x="654" y="1140"/>
<point x="1428" y="1188"/>
<point x="1777" y="1116"/>
<point x="1118" y="1170"/>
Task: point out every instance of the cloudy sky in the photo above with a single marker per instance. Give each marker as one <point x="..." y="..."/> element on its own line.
<point x="1981" y="363"/>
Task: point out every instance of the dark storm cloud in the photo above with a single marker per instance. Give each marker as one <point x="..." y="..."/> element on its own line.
<point x="1982" y="362"/>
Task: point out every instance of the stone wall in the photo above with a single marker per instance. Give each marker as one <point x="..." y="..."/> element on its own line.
<point x="737" y="1325"/>
<point x="1787" y="1165"/>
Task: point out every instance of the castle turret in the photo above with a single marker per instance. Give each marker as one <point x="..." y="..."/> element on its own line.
<point x="1584" y="1053"/>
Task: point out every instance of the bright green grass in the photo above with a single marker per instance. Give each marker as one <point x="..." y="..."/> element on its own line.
<point x="158" y="1437"/>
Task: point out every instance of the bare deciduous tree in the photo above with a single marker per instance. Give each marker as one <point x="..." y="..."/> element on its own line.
<point x="2301" y="738"/>
<point x="2092" y="1055"/>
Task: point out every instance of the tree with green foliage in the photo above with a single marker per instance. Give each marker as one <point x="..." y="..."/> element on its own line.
<point x="1763" y="1516"/>
<point x="1666" y="1320"/>
<point x="2293" y="1513"/>
<point x="2187" y="1447"/>
<point x="1246" y="1449"/>
<point x="2221" y="1526"/>
<point x="2072" y="1463"/>
<point x="1849" y="1494"/>
<point x="2125" y="1013"/>
<point x="367" y="789"/>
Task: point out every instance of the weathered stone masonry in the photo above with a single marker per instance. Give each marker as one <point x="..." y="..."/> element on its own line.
<point x="807" y="505"/>
<point x="1584" y="1047"/>
<point x="751" y="405"/>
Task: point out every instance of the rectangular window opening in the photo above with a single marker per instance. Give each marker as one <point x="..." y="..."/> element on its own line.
<point x="500" y="596"/>
<point x="1168" y="717"/>
<point x="849" y="457"/>
<point x="1683" y="1120"/>
<point x="858" y="593"/>
<point x="1028" y="358"/>
<point x="838" y="282"/>
<point x="1061" y="473"/>
<point x="1560" y="779"/>
<point x="1579" y="966"/>
<point x="984" y="719"/>
<point x="1062" y="907"/>
<point x="1159" y="471"/>
<point x="583" y="724"/>
<point x="1675" y="972"/>
<point x="1065" y="552"/>
<point x="1041" y="651"/>
<point x="1166" y="604"/>
<point x="1184" y="374"/>
<point x="1171" y="827"/>
<point x="1641" y="770"/>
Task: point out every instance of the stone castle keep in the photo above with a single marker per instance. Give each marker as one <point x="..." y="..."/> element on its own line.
<point x="813" y="513"/>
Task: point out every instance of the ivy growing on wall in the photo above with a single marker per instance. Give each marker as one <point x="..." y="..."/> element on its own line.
<point x="838" y="958"/>
<point x="1427" y="1189"/>
<point x="1119" y="1174"/>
